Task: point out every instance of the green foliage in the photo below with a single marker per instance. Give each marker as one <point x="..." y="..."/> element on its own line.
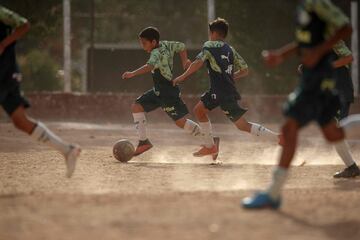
<point x="39" y="72"/>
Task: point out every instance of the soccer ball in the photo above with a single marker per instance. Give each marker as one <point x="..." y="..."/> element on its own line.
<point x="123" y="150"/>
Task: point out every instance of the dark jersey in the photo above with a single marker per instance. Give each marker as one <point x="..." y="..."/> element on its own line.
<point x="8" y="22"/>
<point x="222" y="60"/>
<point x="317" y="20"/>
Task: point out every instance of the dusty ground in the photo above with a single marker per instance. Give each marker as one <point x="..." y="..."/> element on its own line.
<point x="168" y="194"/>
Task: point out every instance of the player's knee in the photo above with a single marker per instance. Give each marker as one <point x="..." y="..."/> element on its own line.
<point x="243" y="125"/>
<point x="19" y="123"/>
<point x="333" y="133"/>
<point x="199" y="111"/>
<point x="334" y="136"/>
<point x="136" y="108"/>
<point x="180" y="123"/>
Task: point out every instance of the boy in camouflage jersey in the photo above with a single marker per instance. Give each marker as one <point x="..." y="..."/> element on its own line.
<point x="320" y="26"/>
<point x="163" y="94"/>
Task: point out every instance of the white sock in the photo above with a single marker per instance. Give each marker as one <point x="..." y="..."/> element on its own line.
<point x="350" y="121"/>
<point x="206" y="131"/>
<point x="192" y="128"/>
<point x="140" y="124"/>
<point x="278" y="180"/>
<point x="342" y="148"/>
<point x="261" y="131"/>
<point x="42" y="134"/>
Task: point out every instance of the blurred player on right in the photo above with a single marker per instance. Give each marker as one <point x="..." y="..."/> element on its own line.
<point x="320" y="25"/>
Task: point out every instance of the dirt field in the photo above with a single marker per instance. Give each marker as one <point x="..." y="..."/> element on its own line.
<point x="168" y="194"/>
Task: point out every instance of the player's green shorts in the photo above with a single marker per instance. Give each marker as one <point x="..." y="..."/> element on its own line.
<point x="173" y="106"/>
<point x="229" y="105"/>
<point x="306" y="107"/>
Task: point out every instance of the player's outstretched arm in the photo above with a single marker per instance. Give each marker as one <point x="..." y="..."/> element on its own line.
<point x="312" y="56"/>
<point x="184" y="59"/>
<point x="272" y="58"/>
<point x="343" y="61"/>
<point x="194" y="67"/>
<point x="241" y="73"/>
<point x="140" y="71"/>
<point x="20" y="25"/>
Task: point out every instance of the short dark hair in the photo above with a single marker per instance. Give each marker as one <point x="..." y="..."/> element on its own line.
<point x="220" y="26"/>
<point x="150" y="33"/>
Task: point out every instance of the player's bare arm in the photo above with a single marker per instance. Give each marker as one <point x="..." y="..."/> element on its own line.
<point x="18" y="33"/>
<point x="194" y="67"/>
<point x="140" y="71"/>
<point x="274" y="58"/>
<point x="343" y="61"/>
<point x="184" y="59"/>
<point x="241" y="73"/>
<point x="310" y="57"/>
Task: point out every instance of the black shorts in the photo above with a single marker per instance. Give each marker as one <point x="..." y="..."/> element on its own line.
<point x="344" y="110"/>
<point x="344" y="84"/>
<point x="229" y="105"/>
<point x="11" y="99"/>
<point x="174" y="107"/>
<point x="321" y="107"/>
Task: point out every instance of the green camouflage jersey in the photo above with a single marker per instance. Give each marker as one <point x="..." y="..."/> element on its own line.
<point x="341" y="49"/>
<point x="11" y="19"/>
<point x="162" y="59"/>
<point x="317" y="20"/>
<point x="205" y="55"/>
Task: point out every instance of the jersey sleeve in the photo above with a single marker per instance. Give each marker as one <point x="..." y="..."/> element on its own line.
<point x="239" y="62"/>
<point x="177" y="46"/>
<point x="341" y="49"/>
<point x="11" y="18"/>
<point x="204" y="54"/>
<point x="330" y="13"/>
<point x="154" y="59"/>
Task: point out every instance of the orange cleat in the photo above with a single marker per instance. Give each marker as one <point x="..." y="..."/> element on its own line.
<point x="204" y="151"/>
<point x="143" y="146"/>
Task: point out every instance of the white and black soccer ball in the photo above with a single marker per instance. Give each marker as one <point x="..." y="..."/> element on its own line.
<point x="123" y="150"/>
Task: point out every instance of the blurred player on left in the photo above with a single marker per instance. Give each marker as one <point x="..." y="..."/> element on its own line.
<point x="12" y="28"/>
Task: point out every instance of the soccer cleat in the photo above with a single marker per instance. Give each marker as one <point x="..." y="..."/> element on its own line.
<point x="281" y="141"/>
<point x="259" y="201"/>
<point x="71" y="158"/>
<point x="349" y="172"/>
<point x="204" y="151"/>
<point x="143" y="146"/>
<point x="217" y="144"/>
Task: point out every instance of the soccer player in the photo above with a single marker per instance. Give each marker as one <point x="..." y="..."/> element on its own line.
<point x="320" y="25"/>
<point x="224" y="66"/>
<point x="12" y="28"/>
<point x="163" y="94"/>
